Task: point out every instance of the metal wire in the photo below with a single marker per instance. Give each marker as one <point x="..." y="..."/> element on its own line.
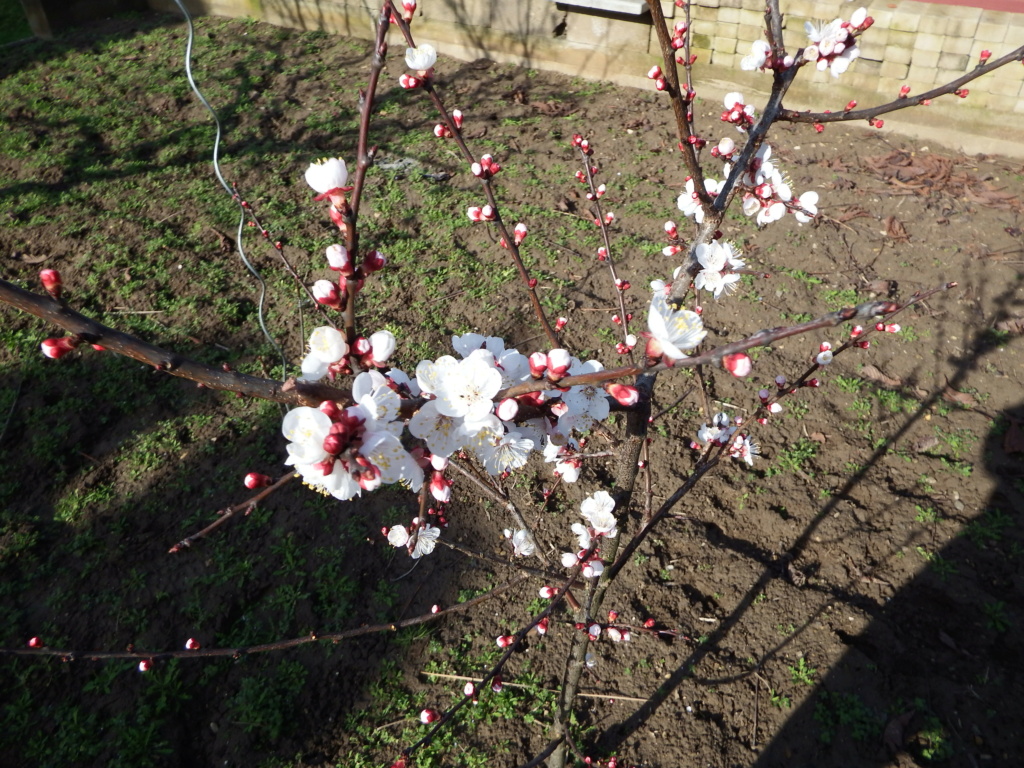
<point x="227" y="188"/>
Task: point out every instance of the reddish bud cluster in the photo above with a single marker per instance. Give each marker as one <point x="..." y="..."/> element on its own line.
<point x="486" y="168"/>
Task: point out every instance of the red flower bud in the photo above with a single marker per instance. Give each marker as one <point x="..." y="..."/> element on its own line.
<point x="255" y="480"/>
<point x="51" y="280"/>
<point x="738" y="365"/>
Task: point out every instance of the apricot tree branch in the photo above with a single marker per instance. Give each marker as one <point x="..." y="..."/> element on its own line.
<point x="291" y="392"/>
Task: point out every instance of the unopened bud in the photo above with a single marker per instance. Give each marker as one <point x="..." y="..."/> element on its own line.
<point x="623" y="394"/>
<point x="192" y="644"/>
<point x="255" y="480"/>
<point x="51" y="280"/>
<point x="428" y="716"/>
<point x="738" y="365"/>
<point x="35" y="642"/>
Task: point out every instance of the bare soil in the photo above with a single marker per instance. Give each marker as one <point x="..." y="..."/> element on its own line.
<point x="854" y="600"/>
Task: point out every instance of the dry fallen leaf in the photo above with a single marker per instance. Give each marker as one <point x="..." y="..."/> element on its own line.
<point x="1014" y="325"/>
<point x="965" y="399"/>
<point x="894" y="228"/>
<point x="871" y="373"/>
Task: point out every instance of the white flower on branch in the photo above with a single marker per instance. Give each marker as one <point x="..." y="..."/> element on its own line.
<point x="689" y="203"/>
<point x="327" y="346"/>
<point x="716" y="258"/>
<point x="673" y="332"/>
<point x="760" y="52"/>
<point x="327" y="175"/>
<point x="597" y="509"/>
<point x="522" y="542"/>
<point x="421" y="58"/>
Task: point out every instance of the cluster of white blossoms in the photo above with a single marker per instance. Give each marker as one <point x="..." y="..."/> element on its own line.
<point x="462" y="414"/>
<point x="833" y="46"/>
<point x="723" y="432"/>
<point x="716" y="258"/>
<point x="597" y="510"/>
<point x="345" y="451"/>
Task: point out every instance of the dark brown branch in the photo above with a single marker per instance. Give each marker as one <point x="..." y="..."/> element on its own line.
<point x="897" y="104"/>
<point x="680" y="104"/>
<point x="226" y="514"/>
<point x="72" y="655"/>
<point x="291" y="393"/>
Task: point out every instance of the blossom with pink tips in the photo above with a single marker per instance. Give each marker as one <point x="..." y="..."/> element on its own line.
<point x="328" y="177"/>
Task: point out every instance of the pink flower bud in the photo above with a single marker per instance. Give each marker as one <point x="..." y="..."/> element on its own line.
<point x="812" y="383"/>
<point x="623" y="394"/>
<point x="602" y="253"/>
<point x="408" y="81"/>
<point x="654" y="72"/>
<point x="613" y="615"/>
<point x="192" y="644"/>
<point x="57" y="348"/>
<point x="51" y="280"/>
<point x="601" y="190"/>
<point x="519" y="233"/>
<point x="961" y="92"/>
<point x="660" y="84"/>
<point x="985" y="55"/>
<point x="545" y="592"/>
<point x="469" y="689"/>
<point x="538" y="364"/>
<point x="327" y="293"/>
<point x="338" y="260"/>
<point x="507" y="409"/>
<point x="255" y="480"/>
<point x="738" y="365"/>
<point x="382" y="346"/>
<point x="497" y="684"/>
<point x="442" y="131"/>
<point x="856" y="331"/>
<point x="892" y="328"/>
<point x="559" y="361"/>
<point x="440" y="487"/>
<point x="904" y="90"/>
<point x="428" y="716"/>
<point x="435" y="609"/>
<point x="144" y="665"/>
<point x="374" y="261"/>
<point x="819" y="128"/>
<point x="457" y="117"/>
<point x="504" y="641"/>
<point x="671" y="230"/>
<point x="542" y="626"/>
<point x="863" y="344"/>
<point x="35" y="642"/>
<point x="560" y="323"/>
<point x="361" y="346"/>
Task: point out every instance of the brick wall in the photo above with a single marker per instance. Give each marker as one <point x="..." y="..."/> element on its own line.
<point x="913" y="43"/>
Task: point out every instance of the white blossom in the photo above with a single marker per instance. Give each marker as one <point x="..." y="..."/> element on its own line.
<point x="758" y="57"/>
<point x="675" y="332"/>
<point x="327" y="175"/>
<point x="597" y="509"/>
<point x="421" y="58"/>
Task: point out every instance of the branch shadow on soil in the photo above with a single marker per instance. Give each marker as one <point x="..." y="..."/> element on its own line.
<point x="939" y="660"/>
